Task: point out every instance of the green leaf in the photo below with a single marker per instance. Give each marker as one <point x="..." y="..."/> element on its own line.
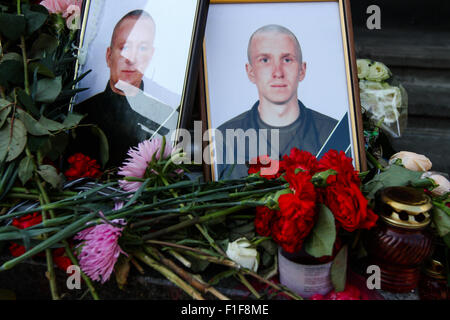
<point x="33" y="127"/>
<point x="12" y="56"/>
<point x="270" y="246"/>
<point x="320" y="241"/>
<point x="41" y="69"/>
<point x="45" y="44"/>
<point x="104" y="146"/>
<point x="27" y="102"/>
<point x="395" y="175"/>
<point x="26" y="167"/>
<point x="13" y="141"/>
<point x="5" y="109"/>
<point x="49" y="174"/>
<point x="121" y="270"/>
<point x="11" y="71"/>
<point x="442" y="221"/>
<point x="55" y="145"/>
<point x="51" y="125"/>
<point x="48" y="89"/>
<point x="72" y="120"/>
<point x="12" y="26"/>
<point x="35" y="143"/>
<point x="339" y="270"/>
<point x="320" y="178"/>
<point x="218" y="277"/>
<point x="34" y="17"/>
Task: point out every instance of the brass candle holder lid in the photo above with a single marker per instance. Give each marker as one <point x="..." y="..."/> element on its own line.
<point x="435" y="269"/>
<point x="405" y="207"/>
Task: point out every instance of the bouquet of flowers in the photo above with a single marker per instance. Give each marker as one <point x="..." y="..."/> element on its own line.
<point x="382" y="96"/>
<point x="321" y="197"/>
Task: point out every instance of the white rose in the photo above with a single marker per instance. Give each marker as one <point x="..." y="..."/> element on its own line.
<point x="363" y="68"/>
<point x="378" y="72"/>
<point x="240" y="251"/>
<point x="442" y="182"/>
<point x="412" y="161"/>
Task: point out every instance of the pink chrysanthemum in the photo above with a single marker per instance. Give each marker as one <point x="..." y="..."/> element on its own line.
<point x="100" y="249"/>
<point x="137" y="163"/>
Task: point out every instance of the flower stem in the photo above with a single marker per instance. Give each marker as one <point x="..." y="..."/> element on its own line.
<point x="248" y="285"/>
<point x="24" y="55"/>
<point x="63" y="234"/>
<point x="187" y="276"/>
<point x="74" y="260"/>
<point x="168" y="274"/>
<point x="179" y="246"/>
<point x="232" y="264"/>
<point x="193" y="221"/>
<point x="273" y="285"/>
<point x="50" y="265"/>
<point x="374" y="161"/>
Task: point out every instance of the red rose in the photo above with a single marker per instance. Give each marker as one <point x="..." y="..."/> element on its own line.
<point x="264" y="220"/>
<point x="267" y="168"/>
<point x="82" y="166"/>
<point x="27" y="220"/>
<point x="296" y="217"/>
<point x="299" y="159"/>
<point x="339" y="162"/>
<point x="349" y="207"/>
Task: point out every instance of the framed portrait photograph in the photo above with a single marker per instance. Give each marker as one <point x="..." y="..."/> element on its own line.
<point x="141" y="57"/>
<point x="279" y="75"/>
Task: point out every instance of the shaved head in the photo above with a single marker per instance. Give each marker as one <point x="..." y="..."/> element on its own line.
<point x="275" y="28"/>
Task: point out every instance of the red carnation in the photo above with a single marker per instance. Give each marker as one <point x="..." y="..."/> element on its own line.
<point x="339" y="162"/>
<point x="60" y="259"/>
<point x="264" y="220"/>
<point x="296" y="216"/>
<point x="23" y="223"/>
<point x="16" y="249"/>
<point x="82" y="166"/>
<point x="349" y="207"/>
<point x="27" y="220"/>
<point x="299" y="159"/>
<point x="267" y="168"/>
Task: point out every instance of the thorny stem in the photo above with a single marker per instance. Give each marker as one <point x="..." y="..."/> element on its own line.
<point x="24" y="56"/>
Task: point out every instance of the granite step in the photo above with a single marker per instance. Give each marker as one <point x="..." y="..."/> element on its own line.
<point x="418" y="48"/>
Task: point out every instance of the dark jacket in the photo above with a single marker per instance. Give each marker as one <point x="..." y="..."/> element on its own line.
<point x="123" y="126"/>
<point x="309" y="132"/>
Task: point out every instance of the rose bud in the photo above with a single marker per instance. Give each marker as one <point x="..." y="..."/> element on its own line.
<point x="240" y="251"/>
<point x="363" y="68"/>
<point x="378" y="72"/>
<point x="412" y="161"/>
<point x="442" y="182"/>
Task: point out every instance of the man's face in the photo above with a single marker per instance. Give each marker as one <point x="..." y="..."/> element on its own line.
<point x="275" y="67"/>
<point x="131" y="52"/>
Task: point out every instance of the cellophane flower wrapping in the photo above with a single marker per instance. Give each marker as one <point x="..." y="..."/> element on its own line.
<point x="383" y="98"/>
